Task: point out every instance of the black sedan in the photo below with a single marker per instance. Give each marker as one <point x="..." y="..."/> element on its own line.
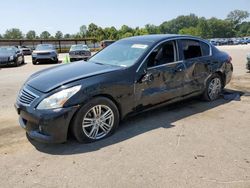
<point x="79" y="52"/>
<point x="127" y="77"/>
<point x="10" y="55"/>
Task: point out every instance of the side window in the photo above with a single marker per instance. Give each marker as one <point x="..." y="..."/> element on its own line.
<point x="163" y="54"/>
<point x="191" y="49"/>
<point x="205" y="49"/>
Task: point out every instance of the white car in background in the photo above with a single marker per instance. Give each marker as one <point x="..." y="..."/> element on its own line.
<point x="79" y="52"/>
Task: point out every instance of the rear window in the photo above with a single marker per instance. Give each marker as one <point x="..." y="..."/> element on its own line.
<point x="191" y="49"/>
<point x="205" y="49"/>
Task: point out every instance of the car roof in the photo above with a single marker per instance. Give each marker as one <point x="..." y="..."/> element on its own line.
<point x="158" y="37"/>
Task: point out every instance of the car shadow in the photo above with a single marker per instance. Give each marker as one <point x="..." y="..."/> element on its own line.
<point x="12" y="67"/>
<point x="49" y="63"/>
<point x="163" y="117"/>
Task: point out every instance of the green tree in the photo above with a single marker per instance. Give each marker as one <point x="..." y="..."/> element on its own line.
<point x="31" y="34"/>
<point x="110" y="33"/>
<point x="175" y="25"/>
<point x="83" y="31"/>
<point x="220" y="28"/>
<point x="45" y="35"/>
<point x="243" y="29"/>
<point x="67" y="36"/>
<point x="140" y="31"/>
<point x="1" y="36"/>
<point x="13" y="33"/>
<point x="190" y="31"/>
<point x="203" y="28"/>
<point x="100" y="35"/>
<point x="128" y="34"/>
<point x="237" y="16"/>
<point x="152" y="29"/>
<point x="125" y="31"/>
<point x="92" y="30"/>
<point x="59" y="35"/>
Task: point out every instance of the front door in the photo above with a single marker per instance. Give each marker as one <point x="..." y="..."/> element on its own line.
<point x="163" y="77"/>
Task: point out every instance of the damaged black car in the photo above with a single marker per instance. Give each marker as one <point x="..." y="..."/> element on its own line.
<point x="127" y="77"/>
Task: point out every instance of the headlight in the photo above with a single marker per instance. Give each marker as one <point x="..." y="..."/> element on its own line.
<point x="11" y="58"/>
<point x="58" y="99"/>
<point x="34" y="54"/>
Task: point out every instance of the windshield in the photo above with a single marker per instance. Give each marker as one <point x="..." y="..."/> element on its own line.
<point x="7" y="49"/>
<point x="122" y="53"/>
<point x="45" y="47"/>
<point x="79" y="47"/>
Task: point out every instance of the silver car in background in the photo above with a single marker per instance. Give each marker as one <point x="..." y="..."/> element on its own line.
<point x="79" y="52"/>
<point x="44" y="53"/>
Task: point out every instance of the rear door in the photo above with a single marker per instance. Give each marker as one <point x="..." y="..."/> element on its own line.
<point x="196" y="55"/>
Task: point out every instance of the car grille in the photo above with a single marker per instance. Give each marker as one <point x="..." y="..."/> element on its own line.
<point x="26" y="97"/>
<point x="43" y="53"/>
<point x="3" y="59"/>
<point x="85" y="53"/>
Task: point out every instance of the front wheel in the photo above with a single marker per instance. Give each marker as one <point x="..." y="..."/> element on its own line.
<point x="96" y="120"/>
<point x="213" y="88"/>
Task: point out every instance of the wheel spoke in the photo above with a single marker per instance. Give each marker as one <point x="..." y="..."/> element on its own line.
<point x="107" y="115"/>
<point x="98" y="122"/>
<point x="87" y="122"/>
<point x="93" y="133"/>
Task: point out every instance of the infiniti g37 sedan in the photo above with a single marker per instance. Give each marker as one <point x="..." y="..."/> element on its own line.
<point x="130" y="76"/>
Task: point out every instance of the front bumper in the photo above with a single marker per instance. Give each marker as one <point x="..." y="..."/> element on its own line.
<point x="3" y="63"/>
<point x="78" y="57"/>
<point x="44" y="58"/>
<point x="48" y="126"/>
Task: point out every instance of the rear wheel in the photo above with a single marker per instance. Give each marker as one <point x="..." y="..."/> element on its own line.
<point x="213" y="88"/>
<point x="96" y="120"/>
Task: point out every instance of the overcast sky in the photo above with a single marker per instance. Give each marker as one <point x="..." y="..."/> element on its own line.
<point x="69" y="15"/>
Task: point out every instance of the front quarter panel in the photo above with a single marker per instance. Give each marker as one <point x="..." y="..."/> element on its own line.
<point x="117" y="85"/>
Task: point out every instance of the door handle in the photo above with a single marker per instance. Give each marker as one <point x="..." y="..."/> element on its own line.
<point x="148" y="78"/>
<point x="179" y="68"/>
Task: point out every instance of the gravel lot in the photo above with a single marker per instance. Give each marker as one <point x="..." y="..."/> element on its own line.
<point x="189" y="144"/>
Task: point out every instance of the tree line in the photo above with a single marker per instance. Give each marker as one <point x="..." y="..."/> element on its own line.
<point x="235" y="25"/>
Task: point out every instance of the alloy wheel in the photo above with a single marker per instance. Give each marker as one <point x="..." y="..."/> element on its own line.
<point x="98" y="122"/>
<point x="214" y="88"/>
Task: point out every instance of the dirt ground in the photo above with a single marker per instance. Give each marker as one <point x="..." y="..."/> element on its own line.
<point x="189" y="144"/>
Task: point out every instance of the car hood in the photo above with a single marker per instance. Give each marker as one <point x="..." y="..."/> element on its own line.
<point x="6" y="54"/>
<point x="52" y="78"/>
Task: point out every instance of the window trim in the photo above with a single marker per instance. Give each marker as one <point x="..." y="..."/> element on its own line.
<point x="176" y="54"/>
<point x="197" y="40"/>
<point x="175" y="38"/>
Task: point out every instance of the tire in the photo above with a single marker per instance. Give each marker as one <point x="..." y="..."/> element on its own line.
<point x="56" y="61"/>
<point x="213" y="89"/>
<point x="34" y="62"/>
<point x="95" y="128"/>
<point x="23" y="61"/>
<point x="16" y="64"/>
